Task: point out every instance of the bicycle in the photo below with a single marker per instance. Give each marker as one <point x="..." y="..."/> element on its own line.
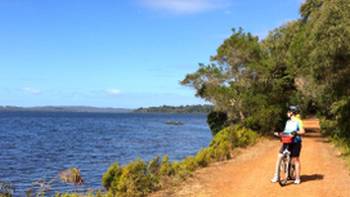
<point x="286" y="167"/>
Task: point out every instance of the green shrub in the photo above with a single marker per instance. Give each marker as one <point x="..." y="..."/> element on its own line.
<point x="154" y="166"/>
<point x="189" y="164"/>
<point x="224" y="136"/>
<point x="227" y="139"/>
<point x="185" y="167"/>
<point x="342" y="143"/>
<point x="134" y="179"/>
<point x="112" y="174"/>
<point x="166" y="168"/>
<point x="139" y="178"/>
<point x="202" y="158"/>
<point x="234" y="136"/>
<point x="243" y="137"/>
<point x="222" y="151"/>
<point x="328" y="127"/>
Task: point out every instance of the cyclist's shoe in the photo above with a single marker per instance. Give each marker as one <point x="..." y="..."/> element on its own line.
<point x="275" y="179"/>
<point x="297" y="181"/>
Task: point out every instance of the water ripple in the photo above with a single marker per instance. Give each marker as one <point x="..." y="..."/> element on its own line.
<point x="36" y="145"/>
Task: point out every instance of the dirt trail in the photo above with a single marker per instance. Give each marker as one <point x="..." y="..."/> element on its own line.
<point x="249" y="174"/>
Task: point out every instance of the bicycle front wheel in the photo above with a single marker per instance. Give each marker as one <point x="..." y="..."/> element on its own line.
<point x="284" y="171"/>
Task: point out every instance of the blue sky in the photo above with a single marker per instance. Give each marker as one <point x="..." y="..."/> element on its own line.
<point x="118" y="53"/>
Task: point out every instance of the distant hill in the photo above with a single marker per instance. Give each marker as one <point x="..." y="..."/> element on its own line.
<point x="177" y="109"/>
<point x="65" y="109"/>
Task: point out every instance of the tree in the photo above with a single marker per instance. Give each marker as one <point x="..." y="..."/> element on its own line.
<point x="245" y="82"/>
<point x="328" y="41"/>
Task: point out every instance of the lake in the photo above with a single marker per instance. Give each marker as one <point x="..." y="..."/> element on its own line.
<point x="38" y="145"/>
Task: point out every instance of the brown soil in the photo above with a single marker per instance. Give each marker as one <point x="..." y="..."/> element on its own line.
<point x="249" y="173"/>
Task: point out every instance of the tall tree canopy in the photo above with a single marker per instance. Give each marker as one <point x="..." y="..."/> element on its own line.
<point x="328" y="42"/>
<point x="305" y="61"/>
<point x="245" y="81"/>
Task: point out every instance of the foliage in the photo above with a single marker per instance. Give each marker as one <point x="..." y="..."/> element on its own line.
<point x="203" y="157"/>
<point x="343" y="146"/>
<point x="166" y="168"/>
<point x="328" y="127"/>
<point x="139" y="178"/>
<point x="246" y="82"/>
<point x="304" y="62"/>
<point x="112" y="175"/>
<point x="250" y="82"/>
<point x="216" y="121"/>
<point x="185" y="167"/>
<point x="325" y="27"/>
<point x="234" y="136"/>
<point x="134" y="179"/>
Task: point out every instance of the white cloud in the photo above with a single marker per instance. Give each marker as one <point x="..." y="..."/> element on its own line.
<point x="112" y="92"/>
<point x="185" y="6"/>
<point x="31" y="90"/>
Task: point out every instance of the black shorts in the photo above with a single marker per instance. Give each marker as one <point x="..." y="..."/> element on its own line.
<point x="294" y="149"/>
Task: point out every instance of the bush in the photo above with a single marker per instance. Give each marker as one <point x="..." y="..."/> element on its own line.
<point x="189" y="164"/>
<point x="328" y="127"/>
<point x="139" y="178"/>
<point x="221" y="152"/>
<point x="233" y="136"/>
<point x="341" y="113"/>
<point x="154" y="166"/>
<point x="222" y="144"/>
<point x="112" y="174"/>
<point x="184" y="168"/>
<point x="166" y="168"/>
<point x="202" y="158"/>
<point x="134" y="179"/>
<point x="243" y="137"/>
<point x="225" y="135"/>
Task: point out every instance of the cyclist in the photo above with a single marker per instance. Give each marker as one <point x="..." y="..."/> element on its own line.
<point x="294" y="126"/>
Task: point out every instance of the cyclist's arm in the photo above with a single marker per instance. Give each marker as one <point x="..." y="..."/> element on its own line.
<point x="301" y="130"/>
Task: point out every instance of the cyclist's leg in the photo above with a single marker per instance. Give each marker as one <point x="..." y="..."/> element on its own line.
<point x="296" y="160"/>
<point x="297" y="167"/>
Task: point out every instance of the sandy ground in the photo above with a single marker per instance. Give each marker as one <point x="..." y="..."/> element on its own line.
<point x="249" y="174"/>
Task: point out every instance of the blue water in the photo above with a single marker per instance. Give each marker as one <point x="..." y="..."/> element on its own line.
<point x="38" y="145"/>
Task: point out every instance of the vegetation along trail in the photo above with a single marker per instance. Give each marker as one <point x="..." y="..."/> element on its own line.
<point x="249" y="174"/>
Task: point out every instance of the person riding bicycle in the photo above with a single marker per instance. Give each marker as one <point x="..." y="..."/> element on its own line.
<point x="294" y="126"/>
